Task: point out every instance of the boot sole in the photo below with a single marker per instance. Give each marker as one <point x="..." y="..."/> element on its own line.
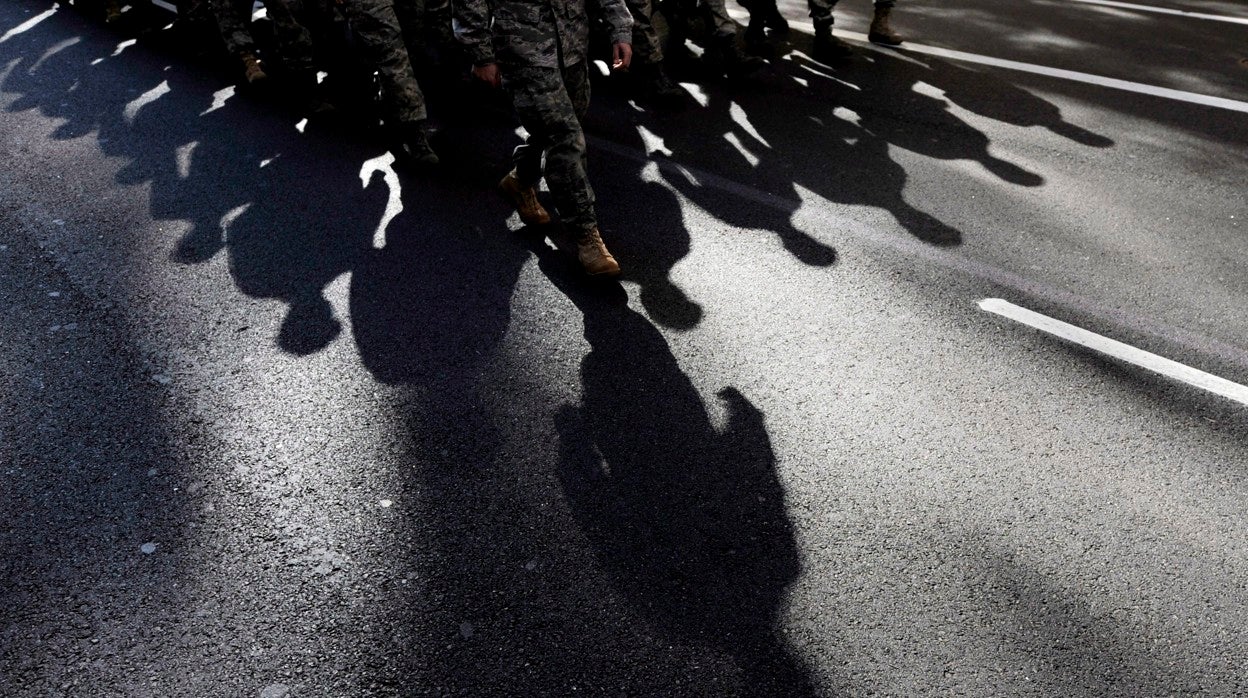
<point x="608" y="274"/>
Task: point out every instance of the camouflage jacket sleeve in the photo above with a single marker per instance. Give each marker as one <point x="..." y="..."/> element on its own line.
<point x="472" y="20"/>
<point x="618" y="18"/>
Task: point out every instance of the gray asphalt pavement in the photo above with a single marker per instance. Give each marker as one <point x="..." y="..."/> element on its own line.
<point x="277" y="421"/>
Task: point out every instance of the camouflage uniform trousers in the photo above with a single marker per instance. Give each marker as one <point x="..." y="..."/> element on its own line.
<point x="426" y="25"/>
<point x="294" y="40"/>
<point x="378" y="29"/>
<point x="683" y="13"/>
<point x="646" y="47"/>
<point x="231" y="19"/>
<point x="376" y="25"/>
<point x="716" y="12"/>
<point x="551" y="102"/>
<point x="821" y="11"/>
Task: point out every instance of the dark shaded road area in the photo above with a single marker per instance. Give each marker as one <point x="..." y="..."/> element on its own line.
<point x="276" y="420"/>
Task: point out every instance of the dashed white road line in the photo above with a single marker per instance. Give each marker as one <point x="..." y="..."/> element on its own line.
<point x="1076" y="76"/>
<point x="1060" y="73"/>
<point x="1165" y="11"/>
<point x="1118" y="350"/>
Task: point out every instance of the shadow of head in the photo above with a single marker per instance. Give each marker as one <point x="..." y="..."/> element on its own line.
<point x="687" y="518"/>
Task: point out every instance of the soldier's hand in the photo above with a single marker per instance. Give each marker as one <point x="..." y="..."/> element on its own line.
<point x="621" y="56"/>
<point x="488" y="73"/>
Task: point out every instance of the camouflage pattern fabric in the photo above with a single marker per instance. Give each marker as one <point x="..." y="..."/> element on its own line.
<point x="647" y="49"/>
<point x="821" y="10"/>
<point x="716" y="12"/>
<point x="380" y="34"/>
<point x="294" y="41"/>
<point x="549" y="34"/>
<point x="426" y="25"/>
<point x="551" y="103"/>
<point x="378" y="29"/>
<point x="682" y="14"/>
<point x="233" y="22"/>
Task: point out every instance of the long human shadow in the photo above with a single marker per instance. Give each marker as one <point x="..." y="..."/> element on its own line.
<point x="429" y="311"/>
<point x="691" y="534"/>
<point x="828" y="130"/>
<point x="642" y="219"/>
<point x="234" y="179"/>
<point x="745" y="138"/>
<point x="687" y="519"/>
<point x="297" y="239"/>
<point x="891" y="102"/>
<point x="430" y="305"/>
<point x="198" y="174"/>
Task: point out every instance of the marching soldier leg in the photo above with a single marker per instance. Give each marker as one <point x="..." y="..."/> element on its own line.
<point x="378" y="29"/>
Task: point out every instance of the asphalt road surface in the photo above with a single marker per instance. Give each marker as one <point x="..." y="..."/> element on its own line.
<point x="276" y="421"/>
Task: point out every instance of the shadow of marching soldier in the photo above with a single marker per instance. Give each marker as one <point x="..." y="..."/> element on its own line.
<point x="687" y="520"/>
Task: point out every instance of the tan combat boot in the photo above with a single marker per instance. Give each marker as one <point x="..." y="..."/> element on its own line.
<point x="524" y="199"/>
<point x="252" y="72"/>
<point x="880" y="32"/>
<point x="594" y="257"/>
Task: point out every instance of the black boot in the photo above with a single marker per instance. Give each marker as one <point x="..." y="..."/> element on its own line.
<point x="726" y="57"/>
<point x="828" y="48"/>
<point x="305" y="92"/>
<point x="764" y="16"/>
<point x="756" y="33"/>
<point x="654" y="83"/>
<point x="410" y="146"/>
<point x="776" y="21"/>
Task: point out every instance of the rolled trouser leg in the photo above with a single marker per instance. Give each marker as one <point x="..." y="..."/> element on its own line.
<point x="827" y="47"/>
<point x="821" y="15"/>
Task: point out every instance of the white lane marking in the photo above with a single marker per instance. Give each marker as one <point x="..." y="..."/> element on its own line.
<point x="1075" y="76"/>
<point x="27" y="25"/>
<point x="1118" y="350"/>
<point x="169" y="7"/>
<point x="945" y="258"/>
<point x="1071" y="75"/>
<point x="1165" y="11"/>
